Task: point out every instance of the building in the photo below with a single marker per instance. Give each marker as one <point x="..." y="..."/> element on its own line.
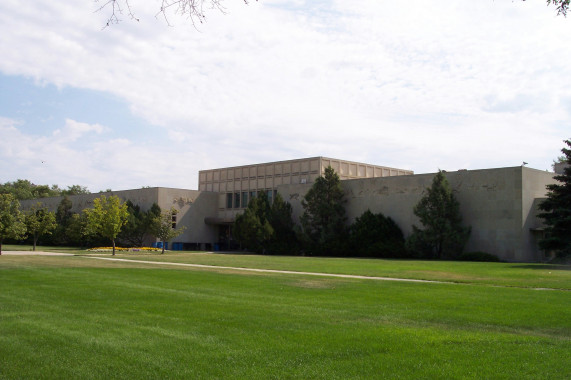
<point x="499" y="204"/>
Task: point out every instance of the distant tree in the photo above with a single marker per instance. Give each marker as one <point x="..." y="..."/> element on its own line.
<point x="106" y="218"/>
<point x="443" y="235"/>
<point x="557" y="210"/>
<point x="164" y="227"/>
<point x="39" y="221"/>
<point x="12" y="224"/>
<point x="323" y="220"/>
<point x="375" y="235"/>
<point x="75" y="190"/>
<point x="139" y="224"/>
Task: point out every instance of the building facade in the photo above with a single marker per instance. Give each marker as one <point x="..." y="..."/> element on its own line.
<point x="499" y="204"/>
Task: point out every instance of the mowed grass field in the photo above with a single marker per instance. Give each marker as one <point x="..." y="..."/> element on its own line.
<point x="78" y="317"/>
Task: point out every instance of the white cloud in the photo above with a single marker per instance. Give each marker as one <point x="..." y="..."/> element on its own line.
<point x="417" y="85"/>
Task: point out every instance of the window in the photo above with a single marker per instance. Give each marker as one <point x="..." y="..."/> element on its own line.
<point x="244" y="199"/>
<point x="252" y="195"/>
<point x="269" y="194"/>
<point x="173" y="219"/>
<point x="236" y="200"/>
<point x="229" y="200"/>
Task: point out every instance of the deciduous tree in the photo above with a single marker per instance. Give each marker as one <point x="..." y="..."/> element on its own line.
<point x="557" y="210"/>
<point x="39" y="221"/>
<point x="106" y="218"/>
<point x="323" y="220"/>
<point x="442" y="234"/>
<point x="12" y="224"/>
<point x="164" y="227"/>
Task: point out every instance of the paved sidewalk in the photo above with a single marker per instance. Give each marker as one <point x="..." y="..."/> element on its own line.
<point x="37" y="253"/>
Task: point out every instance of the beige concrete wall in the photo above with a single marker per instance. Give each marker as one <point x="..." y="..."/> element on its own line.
<point x="496" y="203"/>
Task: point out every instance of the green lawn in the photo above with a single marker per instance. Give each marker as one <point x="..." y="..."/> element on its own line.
<point x="76" y="317"/>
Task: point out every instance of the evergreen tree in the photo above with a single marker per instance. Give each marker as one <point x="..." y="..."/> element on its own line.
<point x="323" y="220"/>
<point x="252" y="228"/>
<point x="139" y="224"/>
<point x="443" y="235"/>
<point x="375" y="235"/>
<point x="557" y="210"/>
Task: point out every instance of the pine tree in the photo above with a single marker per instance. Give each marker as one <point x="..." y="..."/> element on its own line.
<point x="323" y="220"/>
<point x="557" y="210"/>
<point x="443" y="235"/>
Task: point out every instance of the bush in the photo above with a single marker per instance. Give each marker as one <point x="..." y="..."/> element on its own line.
<point x="478" y="256"/>
<point x="374" y="235"/>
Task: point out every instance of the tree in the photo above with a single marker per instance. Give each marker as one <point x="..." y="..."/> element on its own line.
<point x="139" y="224"/>
<point x="557" y="210"/>
<point x="375" y="235"/>
<point x="323" y="220"/>
<point x="252" y="228"/>
<point x="284" y="239"/>
<point x="12" y="224"/>
<point x="106" y="218"/>
<point x="39" y="221"/>
<point x="164" y="227"/>
<point x="561" y="5"/>
<point x="439" y="212"/>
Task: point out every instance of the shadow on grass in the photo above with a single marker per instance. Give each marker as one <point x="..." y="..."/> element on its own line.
<point x="543" y="266"/>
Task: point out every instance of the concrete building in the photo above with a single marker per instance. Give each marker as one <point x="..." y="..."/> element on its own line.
<point x="499" y="204"/>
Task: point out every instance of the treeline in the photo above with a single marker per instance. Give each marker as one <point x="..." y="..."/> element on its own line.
<point x="23" y="189"/>
<point x="88" y="228"/>
<point x="323" y="230"/>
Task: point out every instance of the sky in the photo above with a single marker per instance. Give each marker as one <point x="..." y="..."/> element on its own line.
<point x="419" y="85"/>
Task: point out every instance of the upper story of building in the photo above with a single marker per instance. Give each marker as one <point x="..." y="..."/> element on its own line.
<point x="238" y="184"/>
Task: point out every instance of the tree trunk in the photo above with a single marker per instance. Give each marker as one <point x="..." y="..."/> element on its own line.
<point x="0" y="247"/>
<point x="113" y="247"/>
<point x="163" y="251"/>
<point x="35" y="241"/>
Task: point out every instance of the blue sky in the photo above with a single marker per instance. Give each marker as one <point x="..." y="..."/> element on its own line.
<point x="416" y="85"/>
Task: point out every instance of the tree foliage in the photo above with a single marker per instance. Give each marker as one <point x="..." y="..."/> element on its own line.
<point x="163" y="226"/>
<point x="252" y="228"/>
<point x="139" y="224"/>
<point x="39" y="221"/>
<point x="12" y="224"/>
<point x="106" y="218"/>
<point x="23" y="189"/>
<point x="323" y="220"/>
<point x="375" y="235"/>
<point x="265" y="228"/>
<point x="561" y="5"/>
<point x="442" y="235"/>
<point x="557" y="210"/>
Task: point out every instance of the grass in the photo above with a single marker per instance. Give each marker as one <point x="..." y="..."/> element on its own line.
<point x="75" y="317"/>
